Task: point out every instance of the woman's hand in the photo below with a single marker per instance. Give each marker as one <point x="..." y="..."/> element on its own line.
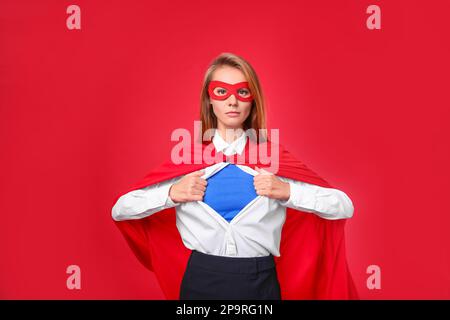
<point x="189" y="188"/>
<point x="267" y="184"/>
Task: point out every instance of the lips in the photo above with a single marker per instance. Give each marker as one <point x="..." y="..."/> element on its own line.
<point x="233" y="114"/>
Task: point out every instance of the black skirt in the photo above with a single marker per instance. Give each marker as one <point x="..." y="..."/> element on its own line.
<point x="211" y="277"/>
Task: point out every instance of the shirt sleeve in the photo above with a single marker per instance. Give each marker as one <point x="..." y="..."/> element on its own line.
<point x="141" y="203"/>
<point x="328" y="203"/>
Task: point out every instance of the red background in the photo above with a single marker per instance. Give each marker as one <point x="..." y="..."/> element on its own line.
<point x="85" y="113"/>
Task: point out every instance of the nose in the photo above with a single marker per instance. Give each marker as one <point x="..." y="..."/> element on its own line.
<point x="232" y="100"/>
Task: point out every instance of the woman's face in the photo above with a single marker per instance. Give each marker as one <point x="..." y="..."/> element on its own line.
<point x="231" y="112"/>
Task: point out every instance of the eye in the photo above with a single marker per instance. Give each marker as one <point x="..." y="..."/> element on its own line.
<point x="244" y="92"/>
<point x="220" y="91"/>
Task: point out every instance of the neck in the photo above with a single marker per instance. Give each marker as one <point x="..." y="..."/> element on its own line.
<point x="230" y="134"/>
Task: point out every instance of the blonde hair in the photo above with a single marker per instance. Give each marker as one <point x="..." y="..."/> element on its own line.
<point x="256" y="119"/>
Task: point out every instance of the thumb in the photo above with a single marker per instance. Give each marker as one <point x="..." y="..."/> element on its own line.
<point x="262" y="171"/>
<point x="198" y="173"/>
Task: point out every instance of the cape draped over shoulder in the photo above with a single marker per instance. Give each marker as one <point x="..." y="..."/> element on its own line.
<point x="312" y="262"/>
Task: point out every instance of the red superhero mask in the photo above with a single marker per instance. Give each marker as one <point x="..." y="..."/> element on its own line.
<point x="219" y="90"/>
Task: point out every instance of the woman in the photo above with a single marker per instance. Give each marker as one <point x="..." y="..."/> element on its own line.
<point x="230" y="216"/>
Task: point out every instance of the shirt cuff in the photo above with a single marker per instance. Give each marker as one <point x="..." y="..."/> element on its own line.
<point x="164" y="194"/>
<point x="300" y="198"/>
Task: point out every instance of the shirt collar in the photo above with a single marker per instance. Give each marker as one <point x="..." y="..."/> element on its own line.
<point x="228" y="149"/>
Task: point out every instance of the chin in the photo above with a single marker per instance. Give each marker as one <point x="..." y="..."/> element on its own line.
<point x="234" y="123"/>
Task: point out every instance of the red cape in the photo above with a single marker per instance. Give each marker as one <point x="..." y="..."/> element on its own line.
<point x="313" y="261"/>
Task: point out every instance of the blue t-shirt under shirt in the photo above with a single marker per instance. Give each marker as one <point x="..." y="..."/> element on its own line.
<point x="229" y="191"/>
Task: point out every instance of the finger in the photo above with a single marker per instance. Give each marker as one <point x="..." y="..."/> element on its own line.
<point x="260" y="185"/>
<point x="200" y="187"/>
<point x="198" y="173"/>
<point x="262" y="192"/>
<point x="201" y="172"/>
<point x="265" y="172"/>
<point x="261" y="178"/>
<point x="196" y="192"/>
<point x="201" y="181"/>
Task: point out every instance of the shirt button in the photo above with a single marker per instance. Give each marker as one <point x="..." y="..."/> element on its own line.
<point x="231" y="250"/>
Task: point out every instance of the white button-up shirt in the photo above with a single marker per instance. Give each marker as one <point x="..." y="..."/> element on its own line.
<point x="255" y="231"/>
